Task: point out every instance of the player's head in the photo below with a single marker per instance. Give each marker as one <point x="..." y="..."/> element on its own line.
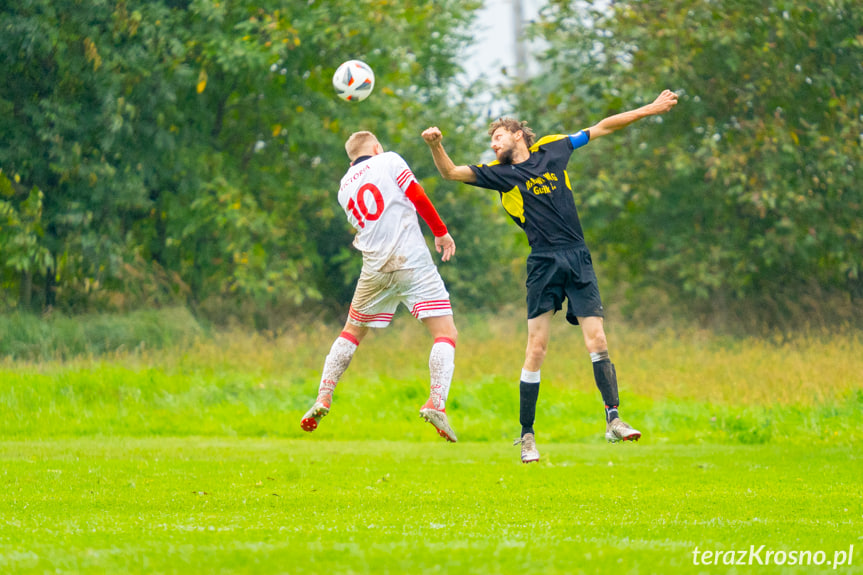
<point x="362" y="144"/>
<point x="507" y="134"/>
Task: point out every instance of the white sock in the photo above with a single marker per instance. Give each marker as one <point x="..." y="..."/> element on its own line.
<point x="441" y="367"/>
<point x="336" y="363"/>
<point x="530" y="376"/>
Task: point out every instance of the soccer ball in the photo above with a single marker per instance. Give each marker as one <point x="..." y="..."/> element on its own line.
<point x="354" y="81"/>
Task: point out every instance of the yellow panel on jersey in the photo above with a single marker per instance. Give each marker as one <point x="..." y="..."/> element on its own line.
<point x="513" y="203"/>
<point x="566" y="175"/>
<point x="546" y="140"/>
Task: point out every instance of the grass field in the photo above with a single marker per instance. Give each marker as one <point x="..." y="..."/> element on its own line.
<point x="190" y="459"/>
<point x="219" y="505"/>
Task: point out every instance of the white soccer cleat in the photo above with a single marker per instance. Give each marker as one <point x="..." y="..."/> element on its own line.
<point x="529" y="452"/>
<point x="438" y="418"/>
<point x="619" y="430"/>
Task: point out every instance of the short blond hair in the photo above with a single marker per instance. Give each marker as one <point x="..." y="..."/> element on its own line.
<point x="359" y="144"/>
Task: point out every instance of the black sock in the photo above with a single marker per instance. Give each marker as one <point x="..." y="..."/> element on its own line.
<point x="606" y="381"/>
<point x="528" y="393"/>
<point x="610" y="412"/>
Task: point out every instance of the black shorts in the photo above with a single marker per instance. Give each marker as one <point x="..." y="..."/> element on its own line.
<point x="564" y="273"/>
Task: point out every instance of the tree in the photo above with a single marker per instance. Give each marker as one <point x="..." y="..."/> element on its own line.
<point x="191" y="149"/>
<point x="20" y="235"/>
<point x="748" y="192"/>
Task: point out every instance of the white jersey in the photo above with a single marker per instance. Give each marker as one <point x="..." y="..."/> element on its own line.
<point x="372" y="193"/>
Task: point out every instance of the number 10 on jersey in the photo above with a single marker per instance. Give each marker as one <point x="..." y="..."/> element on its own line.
<point x="360" y="209"/>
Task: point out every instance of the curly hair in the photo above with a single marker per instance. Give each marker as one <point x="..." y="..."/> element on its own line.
<point x="512" y="125"/>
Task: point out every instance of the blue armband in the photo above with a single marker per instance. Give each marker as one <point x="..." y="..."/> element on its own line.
<point x="579" y="139"/>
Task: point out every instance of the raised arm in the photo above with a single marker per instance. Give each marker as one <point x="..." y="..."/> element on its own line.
<point x="663" y="103"/>
<point x="442" y="161"/>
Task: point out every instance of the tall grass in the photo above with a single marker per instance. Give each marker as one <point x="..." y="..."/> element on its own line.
<point x="687" y="385"/>
<point x="29" y="337"/>
<point x="688" y="364"/>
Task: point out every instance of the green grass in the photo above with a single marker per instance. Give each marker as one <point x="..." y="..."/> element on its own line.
<point x="188" y="457"/>
<point x="109" y="398"/>
<point x="678" y="387"/>
<point x="218" y="505"/>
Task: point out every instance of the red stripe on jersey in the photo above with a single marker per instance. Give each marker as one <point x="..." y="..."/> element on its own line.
<point x="405" y="183"/>
<point x="403" y="178"/>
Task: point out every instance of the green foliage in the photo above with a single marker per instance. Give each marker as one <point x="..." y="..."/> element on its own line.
<point x="189" y="151"/>
<point x="27" y="337"/>
<point x="21" y="238"/>
<point x="749" y="189"/>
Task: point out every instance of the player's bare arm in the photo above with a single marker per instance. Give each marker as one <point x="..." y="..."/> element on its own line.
<point x="663" y="103"/>
<point x="442" y="161"/>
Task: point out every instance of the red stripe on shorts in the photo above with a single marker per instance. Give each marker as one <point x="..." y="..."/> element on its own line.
<point x="430" y="305"/>
<point x="355" y="315"/>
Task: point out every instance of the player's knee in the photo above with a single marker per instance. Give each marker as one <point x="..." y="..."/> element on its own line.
<point x="536" y="351"/>
<point x="452" y="333"/>
<point x="596" y="342"/>
<point x="445" y="329"/>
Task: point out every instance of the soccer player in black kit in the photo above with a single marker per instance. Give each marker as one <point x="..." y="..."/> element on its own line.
<point x="536" y="192"/>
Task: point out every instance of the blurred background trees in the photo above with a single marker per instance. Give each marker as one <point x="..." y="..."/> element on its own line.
<point x="156" y="152"/>
<point x="191" y="151"/>
<point x="746" y="200"/>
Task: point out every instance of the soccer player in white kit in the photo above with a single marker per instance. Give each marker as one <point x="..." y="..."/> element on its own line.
<point x="381" y="198"/>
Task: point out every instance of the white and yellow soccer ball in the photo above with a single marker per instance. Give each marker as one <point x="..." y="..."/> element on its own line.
<point x="354" y="81"/>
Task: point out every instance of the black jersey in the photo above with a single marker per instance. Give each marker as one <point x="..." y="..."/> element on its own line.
<point x="537" y="193"/>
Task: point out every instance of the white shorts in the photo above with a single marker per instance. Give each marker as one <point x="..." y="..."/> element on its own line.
<point x="379" y="294"/>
